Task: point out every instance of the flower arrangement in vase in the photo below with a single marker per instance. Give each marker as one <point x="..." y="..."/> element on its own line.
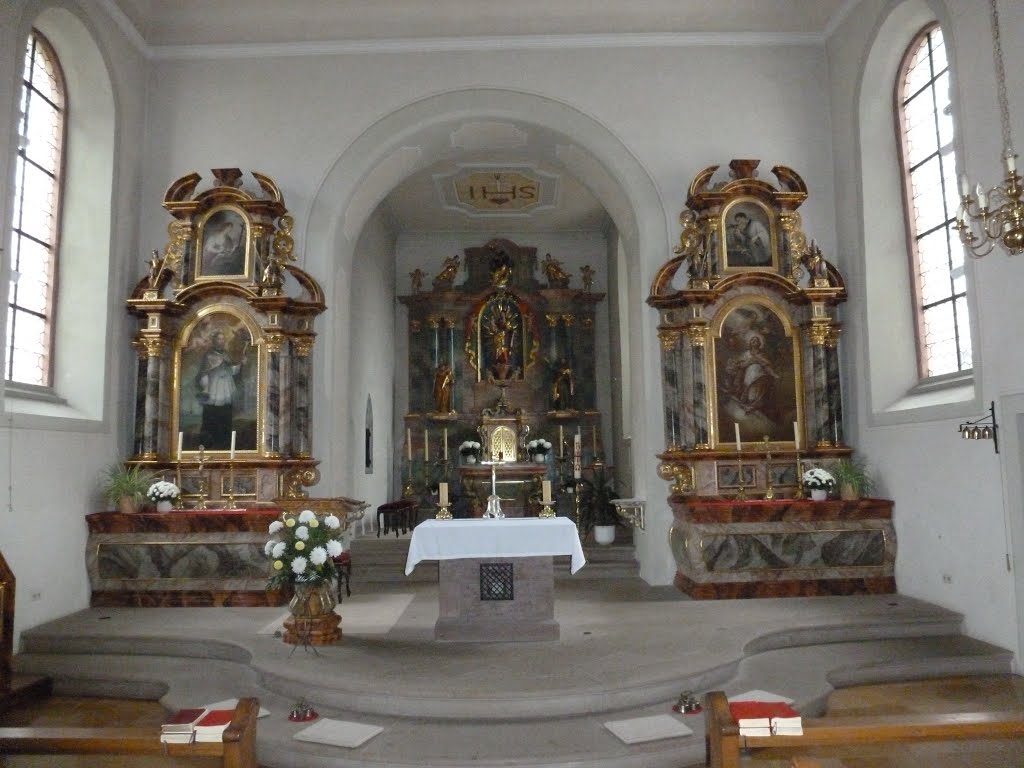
<point x="163" y="494"/>
<point x="538" y="449"/>
<point x="303" y="548"/>
<point x="818" y="482"/>
<point x="470" y="450"/>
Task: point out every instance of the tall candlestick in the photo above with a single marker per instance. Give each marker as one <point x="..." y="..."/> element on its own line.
<point x="796" y="435"/>
<point x="739" y="445"/>
<point x="408" y="443"/>
<point x="561" y="442"/>
<point x="426" y="444"/>
<point x="545" y="491"/>
<point x="446" y="443"/>
<point x="233" y="433"/>
<point x="180" y="436"/>
<point x="577" y="456"/>
<point x="442" y="491"/>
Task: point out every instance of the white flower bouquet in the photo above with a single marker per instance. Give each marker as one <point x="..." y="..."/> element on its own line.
<point x="470" y="448"/>
<point x="302" y="548"/>
<point x="538" y="446"/>
<point x="162" y="490"/>
<point x="818" y="479"/>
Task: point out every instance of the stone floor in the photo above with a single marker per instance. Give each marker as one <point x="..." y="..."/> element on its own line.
<point x="626" y="651"/>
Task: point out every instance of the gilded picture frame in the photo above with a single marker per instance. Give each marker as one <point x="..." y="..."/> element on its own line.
<point x="223" y="249"/>
<point x="748" y="237"/>
<point x="755" y="376"/>
<point x="217" y="389"/>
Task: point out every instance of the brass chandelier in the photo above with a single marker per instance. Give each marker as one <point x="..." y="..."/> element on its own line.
<point x="997" y="215"/>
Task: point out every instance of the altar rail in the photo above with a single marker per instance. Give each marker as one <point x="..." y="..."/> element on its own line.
<point x="237" y="750"/>
<point x="724" y="742"/>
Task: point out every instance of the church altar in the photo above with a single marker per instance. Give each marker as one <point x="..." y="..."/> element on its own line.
<point x="732" y="548"/>
<point x="496" y="577"/>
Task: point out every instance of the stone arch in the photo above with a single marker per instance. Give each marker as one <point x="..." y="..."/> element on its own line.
<point x="397" y="145"/>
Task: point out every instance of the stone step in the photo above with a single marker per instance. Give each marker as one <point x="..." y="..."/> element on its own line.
<point x="382" y="561"/>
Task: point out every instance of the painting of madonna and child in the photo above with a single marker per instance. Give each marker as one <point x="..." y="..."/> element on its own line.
<point x="218" y="385"/>
<point x="756" y="384"/>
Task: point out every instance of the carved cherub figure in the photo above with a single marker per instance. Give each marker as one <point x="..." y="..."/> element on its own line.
<point x="447" y="274"/>
<point x="416" y="276"/>
<point x="588" y="277"/>
<point x="556" y="274"/>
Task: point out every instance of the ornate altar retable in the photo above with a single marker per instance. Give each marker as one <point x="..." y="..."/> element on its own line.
<point x="782" y="548"/>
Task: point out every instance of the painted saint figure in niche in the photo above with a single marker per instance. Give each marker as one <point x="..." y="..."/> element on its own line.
<point x="563" y="387"/>
<point x="755" y="375"/>
<point x="443" y="381"/>
<point x="224" y="241"/>
<point x="748" y="240"/>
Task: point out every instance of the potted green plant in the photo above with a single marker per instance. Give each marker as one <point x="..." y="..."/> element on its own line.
<point x="598" y="514"/>
<point x="853" y="478"/>
<point x="125" y="485"/>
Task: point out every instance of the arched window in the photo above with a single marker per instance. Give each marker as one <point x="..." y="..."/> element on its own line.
<point x="36" y="217"/>
<point x="925" y="123"/>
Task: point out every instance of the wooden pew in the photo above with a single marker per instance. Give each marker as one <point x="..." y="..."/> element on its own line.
<point x="238" y="750"/>
<point x="724" y="743"/>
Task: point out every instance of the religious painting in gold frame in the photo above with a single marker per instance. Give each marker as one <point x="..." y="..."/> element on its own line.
<point x="217" y="381"/>
<point x="749" y="236"/>
<point x="755" y="373"/>
<point x="223" y="245"/>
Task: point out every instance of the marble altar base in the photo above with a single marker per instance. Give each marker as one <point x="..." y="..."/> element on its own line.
<point x="468" y="612"/>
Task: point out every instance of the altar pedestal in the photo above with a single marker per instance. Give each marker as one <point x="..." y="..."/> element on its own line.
<point x="496" y="578"/>
<point x="726" y="548"/>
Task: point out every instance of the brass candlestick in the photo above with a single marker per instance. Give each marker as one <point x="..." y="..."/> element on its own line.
<point x="203" y="485"/>
<point x="547" y="509"/>
<point x="741" y="494"/>
<point x="799" y="493"/>
<point x="443" y="512"/>
<point x="769" y="492"/>
<point x="231" y="487"/>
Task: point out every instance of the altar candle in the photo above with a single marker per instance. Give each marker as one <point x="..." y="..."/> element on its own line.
<point x="446" y="443"/>
<point x="233" y="445"/>
<point x="442" y="490"/>
<point x="982" y="197"/>
<point x="426" y="444"/>
<point x="1011" y="161"/>
<point x="796" y="435"/>
<point x="408" y="443"/>
<point x="739" y="445"/>
<point x="965" y="187"/>
<point x="561" y="442"/>
<point x="180" y="436"/>
<point x="545" y="487"/>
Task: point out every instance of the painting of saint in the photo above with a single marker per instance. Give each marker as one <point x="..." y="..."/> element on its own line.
<point x="748" y="238"/>
<point x="223" y="248"/>
<point x="756" y="384"/>
<point x="218" y="385"/>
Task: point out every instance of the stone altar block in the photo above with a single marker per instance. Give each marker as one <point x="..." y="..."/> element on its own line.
<point x="496" y="577"/>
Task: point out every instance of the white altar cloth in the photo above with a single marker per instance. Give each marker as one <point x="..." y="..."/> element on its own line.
<point x="483" y="538"/>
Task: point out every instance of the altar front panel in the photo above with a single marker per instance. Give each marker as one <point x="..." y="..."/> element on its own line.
<point x="780" y="548"/>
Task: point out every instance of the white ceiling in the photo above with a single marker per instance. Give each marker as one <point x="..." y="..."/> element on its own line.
<point x="168" y="28"/>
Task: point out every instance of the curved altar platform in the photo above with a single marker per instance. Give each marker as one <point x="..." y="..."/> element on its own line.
<point x="626" y="651"/>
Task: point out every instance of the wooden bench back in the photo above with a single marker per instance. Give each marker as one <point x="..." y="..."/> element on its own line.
<point x="724" y="741"/>
<point x="238" y="749"/>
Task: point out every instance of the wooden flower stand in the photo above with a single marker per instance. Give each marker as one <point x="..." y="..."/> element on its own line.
<point x="320" y="630"/>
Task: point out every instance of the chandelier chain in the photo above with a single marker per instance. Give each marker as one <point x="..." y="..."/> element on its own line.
<point x="997" y="53"/>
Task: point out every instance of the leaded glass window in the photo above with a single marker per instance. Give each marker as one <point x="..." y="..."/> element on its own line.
<point x="36" y="217"/>
<point x="925" y="123"/>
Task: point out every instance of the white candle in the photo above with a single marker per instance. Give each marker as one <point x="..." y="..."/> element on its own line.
<point x="442" y="489"/>
<point x="180" y="436"/>
<point x="965" y="187"/>
<point x="982" y="197"/>
<point x="593" y="435"/>
<point x="545" y="488"/>
<point x="739" y="445"/>
<point x="1011" y="161"/>
<point x="561" y="442"/>
<point x="796" y="435"/>
<point x="408" y="443"/>
<point x="233" y="445"/>
<point x="446" y="443"/>
<point x="426" y="444"/>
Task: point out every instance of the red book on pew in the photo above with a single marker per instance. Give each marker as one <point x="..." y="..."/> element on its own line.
<point x="211" y="727"/>
<point x="177" y="729"/>
<point x="765" y="718"/>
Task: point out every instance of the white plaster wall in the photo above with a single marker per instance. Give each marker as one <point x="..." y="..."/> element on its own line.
<point x="51" y="457"/>
<point x="951" y="511"/>
<point x="373" y="373"/>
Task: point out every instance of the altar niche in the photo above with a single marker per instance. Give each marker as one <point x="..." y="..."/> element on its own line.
<point x="513" y="343"/>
